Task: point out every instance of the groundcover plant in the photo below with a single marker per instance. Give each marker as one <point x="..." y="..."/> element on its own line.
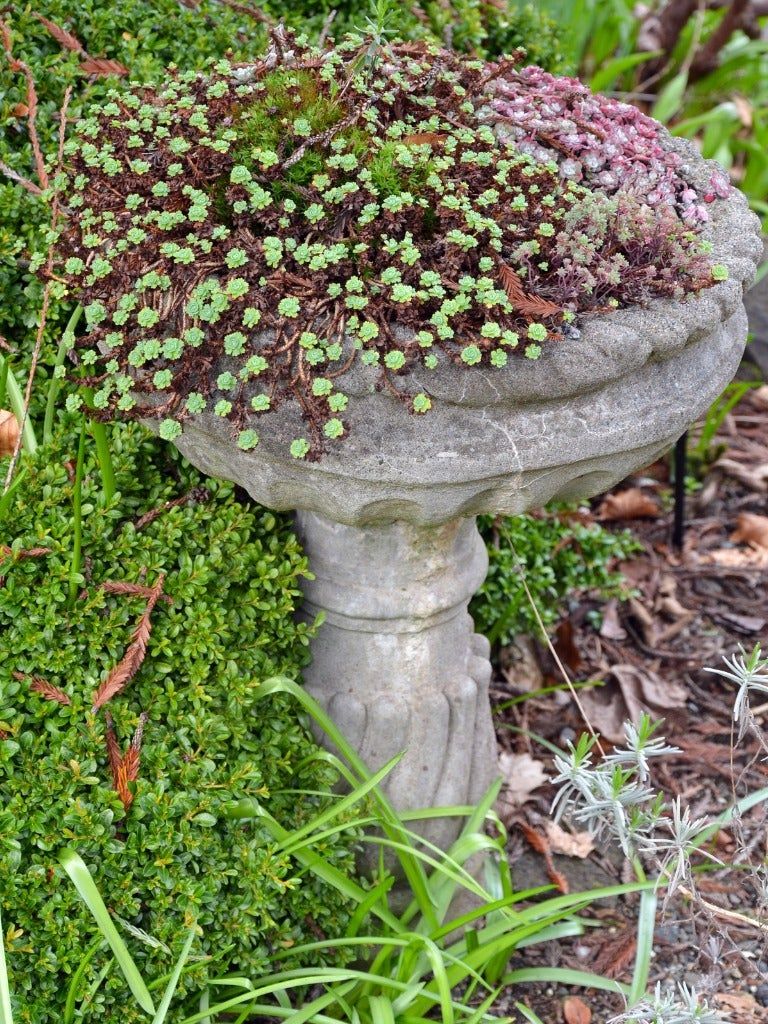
<point x="131" y="716"/>
<point x="239" y="238"/>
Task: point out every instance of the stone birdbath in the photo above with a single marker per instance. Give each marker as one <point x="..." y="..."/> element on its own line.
<point x="387" y="516"/>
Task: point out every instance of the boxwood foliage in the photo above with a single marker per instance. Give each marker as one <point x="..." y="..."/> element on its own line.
<point x="232" y="573"/>
<point x="561" y="557"/>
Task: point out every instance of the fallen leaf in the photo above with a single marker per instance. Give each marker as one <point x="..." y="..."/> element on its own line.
<point x="612" y="628"/>
<point x="630" y="692"/>
<point x="522" y="774"/>
<point x="19" y="110"/>
<point x="753" y="477"/>
<point x="751" y="529"/>
<point x="424" y="138"/>
<point x="644" y="620"/>
<point x="102" y="66"/>
<point x="9" y="432"/>
<point x="569" y="844"/>
<point x="540" y="844"/>
<point x="520" y="665"/>
<point x="667" y="602"/>
<point x="565" y="646"/>
<point x="629" y="504"/>
<point x="576" y="1011"/>
<point x="746" y="624"/>
<point x="734" y="1001"/>
<point x="738" y="558"/>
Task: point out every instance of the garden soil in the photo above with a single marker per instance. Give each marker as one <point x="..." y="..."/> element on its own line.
<point x="690" y="608"/>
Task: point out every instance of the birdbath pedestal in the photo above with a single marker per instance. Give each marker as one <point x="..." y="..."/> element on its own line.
<point x="387" y="516"/>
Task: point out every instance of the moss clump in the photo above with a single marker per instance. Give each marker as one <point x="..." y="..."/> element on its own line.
<point x="232" y="574"/>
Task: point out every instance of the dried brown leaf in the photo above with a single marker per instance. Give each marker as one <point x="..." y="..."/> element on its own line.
<point x="531" y="306"/>
<point x="738" y="558"/>
<point x="522" y="774"/>
<point x="611" y="627"/>
<point x="424" y="138"/>
<point x="9" y="432"/>
<point x="102" y="67"/>
<point x="629" y="504"/>
<point x="629" y="692"/>
<point x="565" y="646"/>
<point x="539" y="844"/>
<point x="576" y="1011"/>
<point x="569" y="844"/>
<point x="62" y="37"/>
<point x="751" y="529"/>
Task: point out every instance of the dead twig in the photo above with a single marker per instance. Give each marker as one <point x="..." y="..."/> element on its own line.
<point x="48" y="284"/>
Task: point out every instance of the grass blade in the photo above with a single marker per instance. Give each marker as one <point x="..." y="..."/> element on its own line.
<point x="83" y="881"/>
<point x="565" y="976"/>
<point x="6" y="1014"/>
<point x="67" y="341"/>
<point x="165" y="1002"/>
<point x="646" y="924"/>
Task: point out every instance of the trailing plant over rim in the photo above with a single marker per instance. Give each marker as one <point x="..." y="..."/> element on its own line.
<point x="240" y="238"/>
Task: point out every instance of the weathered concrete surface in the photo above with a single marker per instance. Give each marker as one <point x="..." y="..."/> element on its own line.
<point x="397" y="663"/>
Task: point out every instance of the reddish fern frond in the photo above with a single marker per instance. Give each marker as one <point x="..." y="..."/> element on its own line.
<point x="531" y="306"/>
<point x="128" y="589"/>
<point x="38" y="684"/>
<point x="27" y="553"/>
<point x="122" y="787"/>
<point x="132" y="660"/>
<point x="102" y="67"/>
<point x="62" y="37"/>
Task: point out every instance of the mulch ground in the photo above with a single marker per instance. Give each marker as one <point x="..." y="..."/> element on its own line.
<point x="690" y="608"/>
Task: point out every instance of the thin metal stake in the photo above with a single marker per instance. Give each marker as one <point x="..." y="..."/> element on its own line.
<point x="681" y="466"/>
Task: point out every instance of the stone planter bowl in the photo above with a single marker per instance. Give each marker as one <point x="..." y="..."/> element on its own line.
<point x="387" y="516"/>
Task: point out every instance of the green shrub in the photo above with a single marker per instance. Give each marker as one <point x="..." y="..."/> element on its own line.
<point x="561" y="558"/>
<point x="232" y="573"/>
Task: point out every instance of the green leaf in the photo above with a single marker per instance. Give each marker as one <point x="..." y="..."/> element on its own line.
<point x="6" y="1015"/>
<point x="165" y="1002"/>
<point x="646" y="924"/>
<point x="670" y="99"/>
<point x="83" y="881"/>
<point x="606" y="77"/>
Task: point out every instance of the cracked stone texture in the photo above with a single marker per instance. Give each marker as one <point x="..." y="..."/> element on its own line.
<point x="569" y="425"/>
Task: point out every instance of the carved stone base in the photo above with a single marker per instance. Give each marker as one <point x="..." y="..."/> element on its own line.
<point x="397" y="663"/>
